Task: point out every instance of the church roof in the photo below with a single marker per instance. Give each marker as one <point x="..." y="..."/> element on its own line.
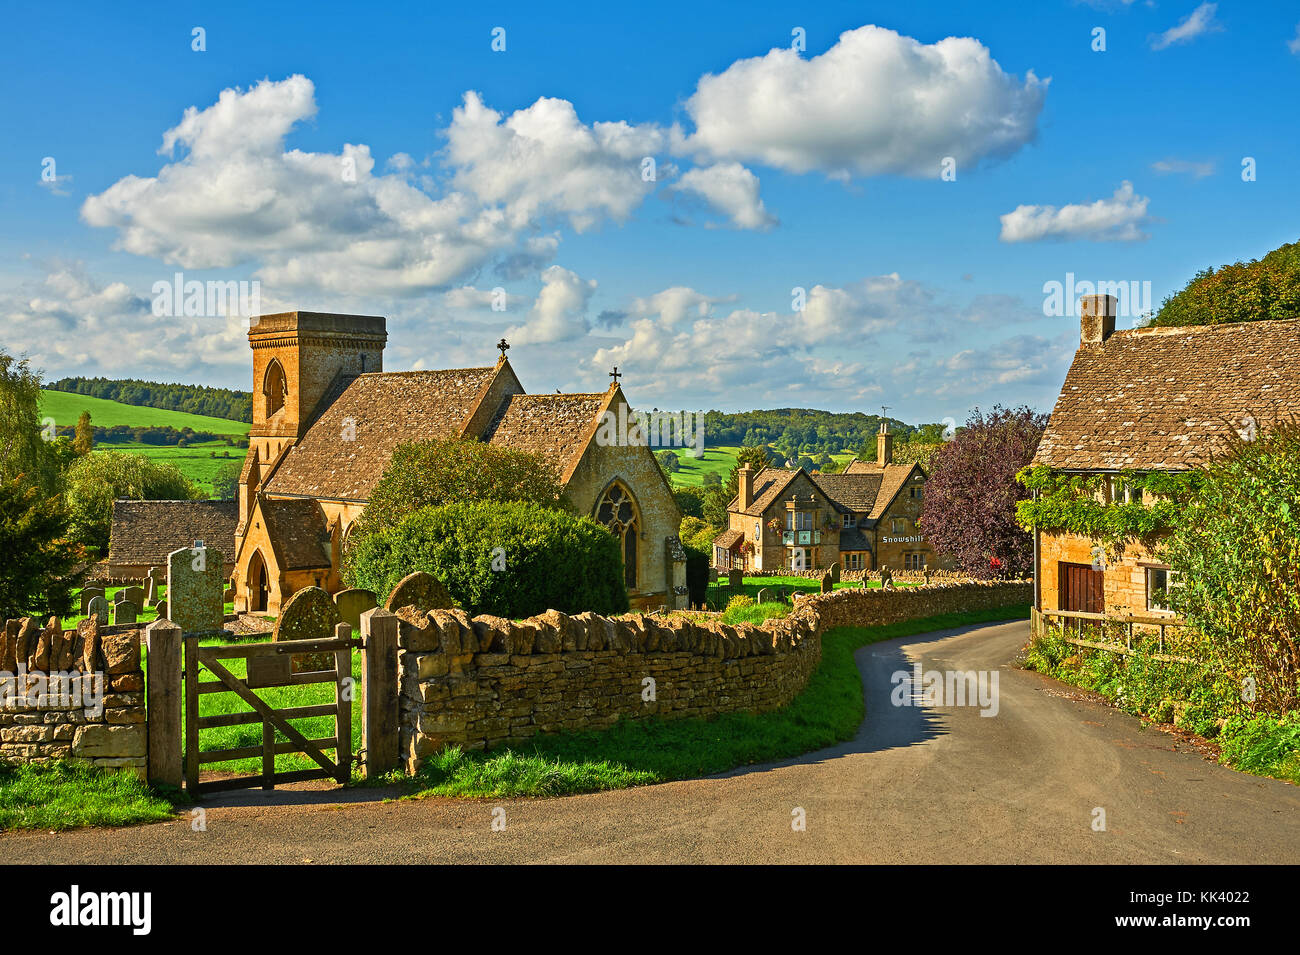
<point x="1167" y="398"/>
<point x="297" y="530"/>
<point x="381" y="410"/>
<point x="145" y="532"/>
<point x="554" y="427"/>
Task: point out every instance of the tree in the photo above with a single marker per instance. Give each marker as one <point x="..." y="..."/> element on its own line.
<point x="690" y="500"/>
<point x="969" y="509"/>
<point x="512" y="559"/>
<point x="1267" y="288"/>
<point x="431" y="473"/>
<point x="668" y="461"/>
<point x="85" y="439"/>
<point x="101" y="477"/>
<point x="25" y="438"/>
<point x="40" y="566"/>
<point x="1236" y="553"/>
<point x="225" y="486"/>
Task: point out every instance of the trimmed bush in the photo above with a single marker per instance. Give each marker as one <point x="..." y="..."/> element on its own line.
<point x="508" y="559"/>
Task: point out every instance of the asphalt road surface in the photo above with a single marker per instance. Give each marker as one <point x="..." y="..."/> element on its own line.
<point x="918" y="784"/>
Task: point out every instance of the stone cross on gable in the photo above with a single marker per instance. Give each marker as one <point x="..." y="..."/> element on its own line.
<point x="504" y="346"/>
<point x="615" y="374"/>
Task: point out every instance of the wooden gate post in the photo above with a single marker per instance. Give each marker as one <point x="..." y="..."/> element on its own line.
<point x="163" y="702"/>
<point x="379" y="736"/>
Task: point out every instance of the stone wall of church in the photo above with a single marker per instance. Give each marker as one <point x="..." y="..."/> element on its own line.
<point x="484" y="681"/>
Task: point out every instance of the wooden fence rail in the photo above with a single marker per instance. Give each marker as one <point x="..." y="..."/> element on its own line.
<point x="1040" y="618"/>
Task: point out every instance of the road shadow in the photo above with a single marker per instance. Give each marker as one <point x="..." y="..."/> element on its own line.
<point x="886" y="726"/>
<point x="314" y="793"/>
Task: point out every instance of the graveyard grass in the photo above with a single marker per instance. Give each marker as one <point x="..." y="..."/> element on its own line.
<point x="634" y="753"/>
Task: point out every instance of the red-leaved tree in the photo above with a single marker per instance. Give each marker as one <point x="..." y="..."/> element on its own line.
<point x="969" y="509"/>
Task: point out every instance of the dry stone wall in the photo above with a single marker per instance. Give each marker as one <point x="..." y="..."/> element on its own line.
<point x="483" y="681"/>
<point x="72" y="694"/>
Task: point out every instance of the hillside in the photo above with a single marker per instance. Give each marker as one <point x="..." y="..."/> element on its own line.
<point x="65" y="407"/>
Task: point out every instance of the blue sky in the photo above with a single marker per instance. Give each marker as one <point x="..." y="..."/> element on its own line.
<point x="520" y="170"/>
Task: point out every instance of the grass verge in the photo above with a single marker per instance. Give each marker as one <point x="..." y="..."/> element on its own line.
<point x="60" y="796"/>
<point x="1191" y="696"/>
<point x="634" y="753"/>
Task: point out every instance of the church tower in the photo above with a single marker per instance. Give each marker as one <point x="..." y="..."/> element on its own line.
<point x="296" y="356"/>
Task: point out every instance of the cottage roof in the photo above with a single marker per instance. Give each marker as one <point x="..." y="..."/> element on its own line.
<point x="1168" y="398"/>
<point x="728" y="539"/>
<point x="145" y="532"/>
<point x="382" y="410"/>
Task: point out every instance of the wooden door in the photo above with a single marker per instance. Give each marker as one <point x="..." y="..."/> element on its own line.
<point x="1081" y="588"/>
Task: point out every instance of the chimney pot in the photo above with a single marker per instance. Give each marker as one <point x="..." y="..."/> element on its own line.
<point x="1096" y="318"/>
<point x="884" y="446"/>
<point x="746" y="487"/>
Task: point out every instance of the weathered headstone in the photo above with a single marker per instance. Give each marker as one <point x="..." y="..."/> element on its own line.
<point x="764" y="595"/>
<point x="827" y="584"/>
<point x="151" y="585"/>
<point x="352" y="603"/>
<point x="834" y="571"/>
<point x="735" y="580"/>
<point x="98" y="607"/>
<point x="124" y="611"/>
<point x="195" y="578"/>
<point x="713" y="575"/>
<point x="133" y="594"/>
<point x="228" y="595"/>
<point x="88" y="594"/>
<point x="886" y="579"/>
<point x="119" y="596"/>
<point x="421" y="590"/>
<point x="925" y="575"/>
<point x="310" y="614"/>
<point x="162" y="610"/>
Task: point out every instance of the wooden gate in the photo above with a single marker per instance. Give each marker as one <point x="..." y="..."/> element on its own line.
<point x="268" y="665"/>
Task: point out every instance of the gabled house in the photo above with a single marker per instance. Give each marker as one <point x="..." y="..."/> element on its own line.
<point x="863" y="519"/>
<point x="1151" y="400"/>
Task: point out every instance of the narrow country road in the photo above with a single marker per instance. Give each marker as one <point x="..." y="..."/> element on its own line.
<point x="931" y="785"/>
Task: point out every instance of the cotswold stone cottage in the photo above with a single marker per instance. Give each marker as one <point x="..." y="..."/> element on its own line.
<point x="864" y="518"/>
<point x="1151" y="399"/>
<point x="327" y="419"/>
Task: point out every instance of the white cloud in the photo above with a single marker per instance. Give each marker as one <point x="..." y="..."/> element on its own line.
<point x="1197" y="170"/>
<point x="1293" y="44"/>
<point x="560" y="311"/>
<point x="874" y="103"/>
<point x="1117" y="219"/>
<point x="731" y="189"/>
<point x="69" y="323"/>
<point x="1199" y="21"/>
<point x="544" y="161"/>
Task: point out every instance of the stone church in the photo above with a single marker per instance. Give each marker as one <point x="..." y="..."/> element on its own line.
<point x="327" y="419"/>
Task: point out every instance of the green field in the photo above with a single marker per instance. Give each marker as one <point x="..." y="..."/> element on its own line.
<point x="194" y="462"/>
<point x="65" y="407"/>
<point x="717" y="460"/>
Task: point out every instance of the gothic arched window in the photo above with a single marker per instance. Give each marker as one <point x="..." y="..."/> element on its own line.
<point x="274" y="387"/>
<point x="617" y="511"/>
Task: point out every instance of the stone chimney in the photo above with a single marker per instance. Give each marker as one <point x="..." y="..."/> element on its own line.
<point x="884" y="445"/>
<point x="746" y="487"/>
<point x="1096" y="318"/>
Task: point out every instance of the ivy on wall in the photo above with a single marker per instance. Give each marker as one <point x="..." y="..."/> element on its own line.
<point x="1078" y="503"/>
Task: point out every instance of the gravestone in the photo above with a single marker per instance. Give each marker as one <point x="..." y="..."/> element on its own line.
<point x="133" y="594"/>
<point x="353" y="603"/>
<point x="925" y="575"/>
<point x="764" y="595"/>
<point x="124" y="611"/>
<point x="886" y="579"/>
<point x="87" y="593"/>
<point x="98" y="607"/>
<point x="834" y="571"/>
<point x="161" y="607"/>
<point x="119" y="596"/>
<point x="151" y="585"/>
<point x="228" y="595"/>
<point x="827" y="585"/>
<point x="735" y="580"/>
<point x="195" y="579"/>
<point x="713" y="575"/>
<point x="422" y="590"/>
<point x="310" y="614"/>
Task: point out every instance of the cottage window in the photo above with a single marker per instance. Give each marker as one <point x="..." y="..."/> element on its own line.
<point x="1160" y="580"/>
<point x="850" y="520"/>
<point x="914" y="492"/>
